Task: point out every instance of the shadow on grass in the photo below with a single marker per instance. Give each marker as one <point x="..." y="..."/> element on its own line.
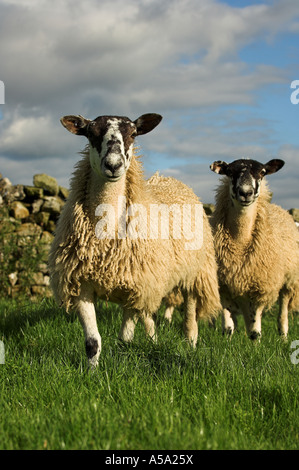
<point x="170" y="355"/>
<point x="16" y="315"/>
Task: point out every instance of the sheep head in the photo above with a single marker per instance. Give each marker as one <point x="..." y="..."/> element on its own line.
<point x="245" y="177"/>
<point x="111" y="140"/>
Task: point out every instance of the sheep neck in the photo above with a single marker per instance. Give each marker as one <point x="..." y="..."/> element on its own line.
<point x="129" y="189"/>
<point x="241" y="221"/>
<point x="105" y="192"/>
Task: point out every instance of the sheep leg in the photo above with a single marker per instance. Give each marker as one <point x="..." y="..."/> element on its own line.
<point x="253" y="321"/>
<point x="228" y="324"/>
<point x="149" y="325"/>
<point x="168" y="313"/>
<point x="283" y="321"/>
<point x="130" y="319"/>
<point x="87" y="316"/>
<point x="190" y="323"/>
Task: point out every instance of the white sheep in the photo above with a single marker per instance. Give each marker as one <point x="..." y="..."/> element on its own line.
<point x="257" y="247"/>
<point x="109" y="241"/>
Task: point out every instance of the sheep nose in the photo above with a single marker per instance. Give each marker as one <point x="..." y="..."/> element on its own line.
<point x="246" y="194"/>
<point x="113" y="164"/>
<point x="113" y="167"/>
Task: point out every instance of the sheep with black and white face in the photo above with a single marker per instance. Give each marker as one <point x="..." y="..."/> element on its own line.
<point x="257" y="247"/>
<point x="108" y="244"/>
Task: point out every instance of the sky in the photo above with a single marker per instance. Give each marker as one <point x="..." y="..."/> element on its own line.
<point x="218" y="71"/>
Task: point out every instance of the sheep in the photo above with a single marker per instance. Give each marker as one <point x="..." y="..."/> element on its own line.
<point x="107" y="242"/>
<point x="257" y="247"/>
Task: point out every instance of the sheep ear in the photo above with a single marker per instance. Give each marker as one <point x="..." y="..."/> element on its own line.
<point x="75" y="124"/>
<point x="147" y="122"/>
<point x="219" y="167"/>
<point x="273" y="166"/>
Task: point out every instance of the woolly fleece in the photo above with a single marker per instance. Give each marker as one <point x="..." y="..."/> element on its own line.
<point x="134" y="273"/>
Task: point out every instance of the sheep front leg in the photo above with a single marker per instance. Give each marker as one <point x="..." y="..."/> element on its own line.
<point x="130" y="319"/>
<point x="190" y="322"/>
<point x="253" y="321"/>
<point x="168" y="313"/>
<point x="87" y="316"/>
<point x="149" y="325"/>
<point x="283" y="320"/>
<point x="228" y="323"/>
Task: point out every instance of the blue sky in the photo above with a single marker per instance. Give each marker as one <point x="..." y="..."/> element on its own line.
<point x="218" y="71"/>
<point x="274" y="101"/>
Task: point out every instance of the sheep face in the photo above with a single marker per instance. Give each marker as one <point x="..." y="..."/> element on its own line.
<point x="111" y="140"/>
<point x="245" y="177"/>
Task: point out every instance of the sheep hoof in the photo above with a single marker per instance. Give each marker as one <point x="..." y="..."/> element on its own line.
<point x="228" y="331"/>
<point x="283" y="336"/>
<point x="192" y="341"/>
<point x="92" y="351"/>
<point x="254" y="335"/>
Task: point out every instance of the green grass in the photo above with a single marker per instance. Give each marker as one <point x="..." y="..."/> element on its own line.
<point x="226" y="394"/>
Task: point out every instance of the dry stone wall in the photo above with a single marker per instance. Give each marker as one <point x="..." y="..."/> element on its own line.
<point x="28" y="217"/>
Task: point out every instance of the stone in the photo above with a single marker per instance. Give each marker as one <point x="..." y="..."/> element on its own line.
<point x="43" y="291"/>
<point x="48" y="183"/>
<point x="32" y="192"/>
<point x="38" y="278"/>
<point x="5" y="183"/>
<point x="28" y="229"/>
<point x="52" y="204"/>
<point x="47" y="237"/>
<point x="51" y="226"/>
<point x="14" y="291"/>
<point x="63" y="192"/>
<point x="295" y="214"/>
<point x="13" y="278"/>
<point x="18" y="210"/>
<point x="14" y="193"/>
<point x="42" y="218"/>
<point x="43" y="267"/>
<point x="36" y="205"/>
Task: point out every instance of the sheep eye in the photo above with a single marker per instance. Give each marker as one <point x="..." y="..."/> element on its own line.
<point x="133" y="135"/>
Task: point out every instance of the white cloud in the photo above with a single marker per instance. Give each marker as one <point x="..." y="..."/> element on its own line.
<point x="31" y="134"/>
<point x="175" y="53"/>
<point x="204" y="181"/>
<point x="176" y="57"/>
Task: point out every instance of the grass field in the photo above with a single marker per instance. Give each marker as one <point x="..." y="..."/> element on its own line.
<point x="226" y="394"/>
